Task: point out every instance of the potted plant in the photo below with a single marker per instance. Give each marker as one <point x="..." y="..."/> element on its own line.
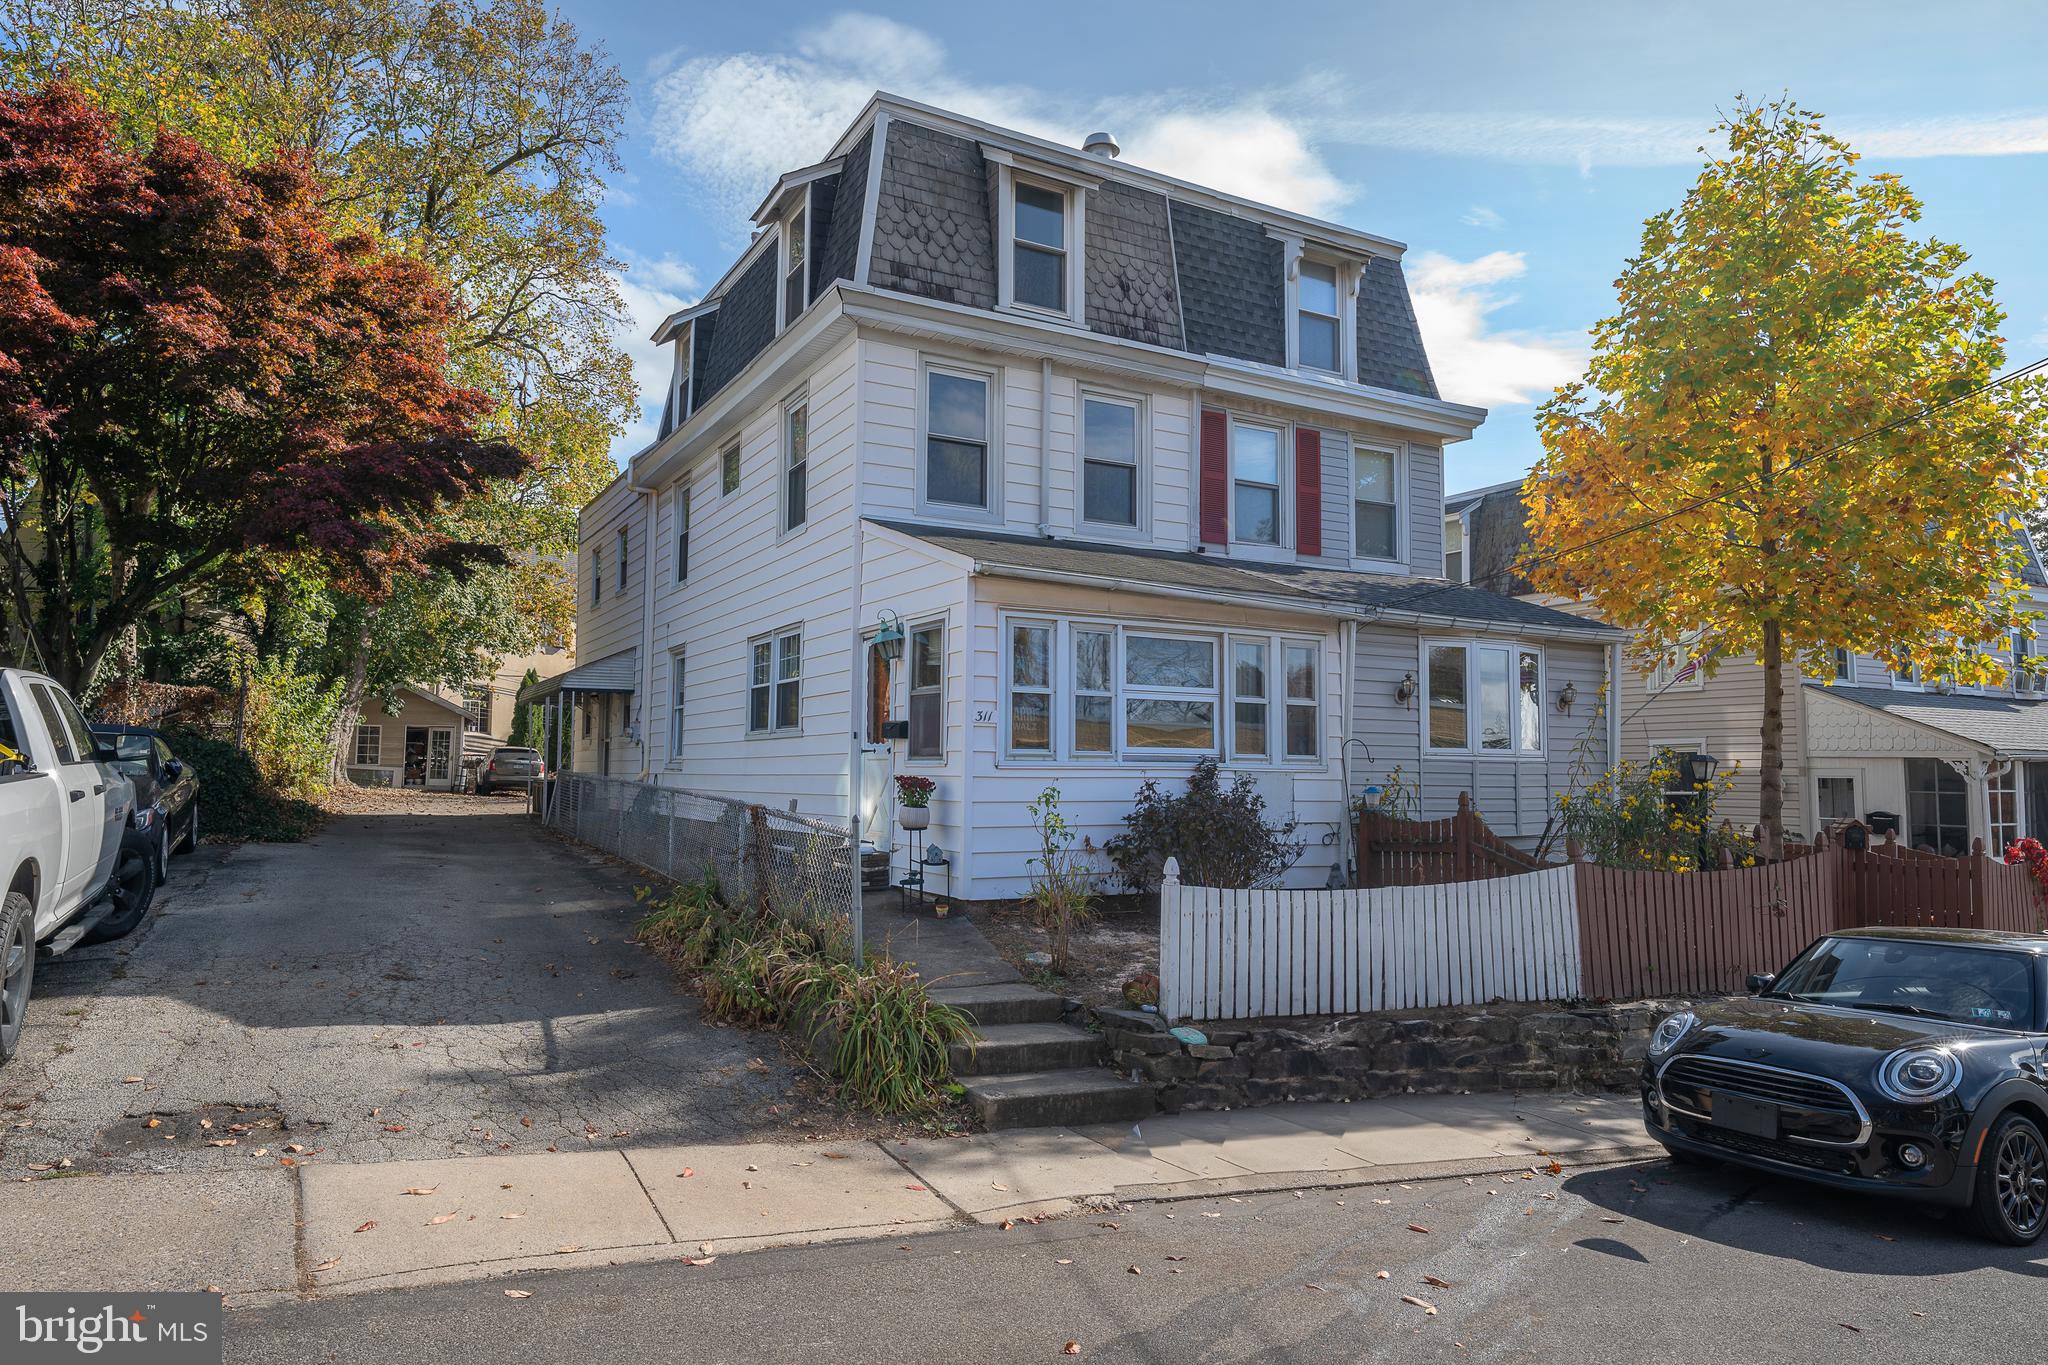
<point x="914" y="801"/>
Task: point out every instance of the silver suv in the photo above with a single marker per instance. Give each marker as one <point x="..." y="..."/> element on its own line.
<point x="510" y="768"/>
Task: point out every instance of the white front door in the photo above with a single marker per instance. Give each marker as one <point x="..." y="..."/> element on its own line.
<point x="440" y="745"/>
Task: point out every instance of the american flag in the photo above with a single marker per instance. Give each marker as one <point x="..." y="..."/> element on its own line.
<point x="1686" y="673"/>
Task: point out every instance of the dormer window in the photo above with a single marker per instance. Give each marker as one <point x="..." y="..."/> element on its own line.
<point x="1039" y="244"/>
<point x="796" y="284"/>
<point x="1318" y="318"/>
<point x="1041" y="221"/>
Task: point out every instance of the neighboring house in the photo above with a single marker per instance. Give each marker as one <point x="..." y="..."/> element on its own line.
<point x="425" y="742"/>
<point x="1943" y="764"/>
<point x="1020" y="467"/>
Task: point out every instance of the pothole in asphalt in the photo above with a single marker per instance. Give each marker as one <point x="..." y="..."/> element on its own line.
<point x="209" y="1126"/>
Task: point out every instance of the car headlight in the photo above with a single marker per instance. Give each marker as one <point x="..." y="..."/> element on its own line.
<point x="1667" y="1033"/>
<point x="1915" y="1075"/>
<point x="144" y="817"/>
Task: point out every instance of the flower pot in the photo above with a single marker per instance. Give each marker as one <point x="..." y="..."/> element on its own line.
<point x="914" y="817"/>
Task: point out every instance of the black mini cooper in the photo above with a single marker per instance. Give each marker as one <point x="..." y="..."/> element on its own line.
<point x="1908" y="1062"/>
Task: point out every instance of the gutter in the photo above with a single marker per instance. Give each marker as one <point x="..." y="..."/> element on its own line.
<point x="648" y="501"/>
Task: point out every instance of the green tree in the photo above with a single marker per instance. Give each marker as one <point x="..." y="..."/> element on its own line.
<point x="526" y="718"/>
<point x="1787" y="439"/>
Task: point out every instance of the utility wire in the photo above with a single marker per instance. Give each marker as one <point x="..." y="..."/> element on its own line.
<point x="1700" y="501"/>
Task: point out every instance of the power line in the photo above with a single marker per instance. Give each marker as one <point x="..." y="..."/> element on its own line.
<point x="1701" y="501"/>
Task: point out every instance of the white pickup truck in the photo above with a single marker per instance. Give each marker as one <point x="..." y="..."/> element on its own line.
<point x="63" y="813"/>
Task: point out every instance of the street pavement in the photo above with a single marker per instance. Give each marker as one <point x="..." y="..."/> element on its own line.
<point x="405" y="986"/>
<point x="1643" y="1262"/>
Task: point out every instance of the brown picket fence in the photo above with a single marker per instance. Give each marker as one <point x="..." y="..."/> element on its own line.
<point x="1397" y="852"/>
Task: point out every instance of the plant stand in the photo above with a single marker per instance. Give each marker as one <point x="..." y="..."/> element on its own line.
<point x="913" y="879"/>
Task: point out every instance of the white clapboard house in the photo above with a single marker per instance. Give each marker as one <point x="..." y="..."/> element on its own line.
<point x="1140" y="471"/>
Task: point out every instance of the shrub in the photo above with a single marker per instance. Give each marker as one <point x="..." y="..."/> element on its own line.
<point x="234" y="800"/>
<point x="1218" y="833"/>
<point x="286" y="730"/>
<point x="1626" y="819"/>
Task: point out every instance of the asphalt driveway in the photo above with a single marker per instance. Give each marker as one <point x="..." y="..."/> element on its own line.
<point x="439" y="978"/>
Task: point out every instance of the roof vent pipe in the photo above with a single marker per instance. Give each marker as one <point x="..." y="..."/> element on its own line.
<point x="1102" y="145"/>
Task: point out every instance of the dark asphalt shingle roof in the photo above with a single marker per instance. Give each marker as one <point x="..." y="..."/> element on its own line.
<point x="2008" y="725"/>
<point x="1336" y="589"/>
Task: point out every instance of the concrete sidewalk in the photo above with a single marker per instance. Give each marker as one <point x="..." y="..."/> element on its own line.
<point x="330" y="1228"/>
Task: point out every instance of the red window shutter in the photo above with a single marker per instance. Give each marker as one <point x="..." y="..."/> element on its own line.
<point x="1215" y="489"/>
<point x="1308" y="491"/>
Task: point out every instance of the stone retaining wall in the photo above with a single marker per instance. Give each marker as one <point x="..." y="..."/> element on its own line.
<point x="1437" y="1051"/>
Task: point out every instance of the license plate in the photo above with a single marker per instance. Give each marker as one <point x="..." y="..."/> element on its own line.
<point x="1745" y="1116"/>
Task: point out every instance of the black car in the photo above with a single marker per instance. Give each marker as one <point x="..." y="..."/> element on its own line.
<point x="1906" y="1062"/>
<point x="166" y="790"/>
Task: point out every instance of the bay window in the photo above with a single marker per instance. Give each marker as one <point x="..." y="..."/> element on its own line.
<point x="1138" y="693"/>
<point x="1255" y="484"/>
<point x="1375" y="509"/>
<point x="1109" y="461"/>
<point x="957" y="423"/>
<point x="1484" y="698"/>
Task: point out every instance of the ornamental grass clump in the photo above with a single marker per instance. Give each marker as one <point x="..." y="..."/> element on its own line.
<point x="760" y="967"/>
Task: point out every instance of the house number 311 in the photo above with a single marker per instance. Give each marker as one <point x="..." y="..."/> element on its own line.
<point x="984" y="715"/>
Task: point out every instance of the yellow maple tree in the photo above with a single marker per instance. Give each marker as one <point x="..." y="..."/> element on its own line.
<point x="1793" y="434"/>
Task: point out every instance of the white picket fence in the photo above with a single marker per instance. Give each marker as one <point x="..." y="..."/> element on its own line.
<point x="1253" y="954"/>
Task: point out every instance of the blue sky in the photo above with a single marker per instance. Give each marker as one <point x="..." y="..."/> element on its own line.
<point x="1516" y="149"/>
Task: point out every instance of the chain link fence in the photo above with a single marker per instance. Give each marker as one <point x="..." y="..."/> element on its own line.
<point x="773" y="860"/>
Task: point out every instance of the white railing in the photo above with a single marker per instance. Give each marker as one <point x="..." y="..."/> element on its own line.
<point x="1252" y="954"/>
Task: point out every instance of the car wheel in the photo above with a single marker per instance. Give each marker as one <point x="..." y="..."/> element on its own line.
<point x="2011" y="1203"/>
<point x="17" y="967"/>
<point x="191" y="840"/>
<point x="134" y="887"/>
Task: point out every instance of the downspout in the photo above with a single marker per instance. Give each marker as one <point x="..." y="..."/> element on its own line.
<point x="1347" y="842"/>
<point x="647" y="496"/>
<point x="1613" y="703"/>
<point x="856" y="672"/>
<point x="1045" y="447"/>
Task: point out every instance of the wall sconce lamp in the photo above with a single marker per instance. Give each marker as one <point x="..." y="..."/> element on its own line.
<point x="1567" y="698"/>
<point x="1404" y="691"/>
<point x="1701" y="768"/>
<point x="889" y="636"/>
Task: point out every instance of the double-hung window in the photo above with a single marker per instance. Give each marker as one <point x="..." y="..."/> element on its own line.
<point x="2023" y="680"/>
<point x="1318" y="318"/>
<point x="957" y="470"/>
<point x="1845" y="665"/>
<point x="1375" y="505"/>
<point x="676" y="673"/>
<point x="1454" y="546"/>
<point x="928" y="691"/>
<point x="1094" y="650"/>
<point x="1109" y="461"/>
<point x="1302" y="729"/>
<point x="682" y="515"/>
<point x="1255" y="484"/>
<point x="795" y="277"/>
<point x="729" y="470"/>
<point x="596" y="575"/>
<point x="796" y="464"/>
<point x="1169" y="692"/>
<point x="1038" y="246"/>
<point x="1484" y="698"/>
<point x="622" y="558"/>
<point x="1250" y="695"/>
<point x="775" y="683"/>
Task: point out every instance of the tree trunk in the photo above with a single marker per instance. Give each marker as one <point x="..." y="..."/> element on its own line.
<point x="1771" y="797"/>
<point x="348" y="709"/>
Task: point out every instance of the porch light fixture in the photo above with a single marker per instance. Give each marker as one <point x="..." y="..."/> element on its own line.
<point x="1404" y="691"/>
<point x="1567" y="698"/>
<point x="889" y="636"/>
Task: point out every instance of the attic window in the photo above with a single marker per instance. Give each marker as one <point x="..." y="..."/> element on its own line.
<point x="795" y="278"/>
<point x="1041" y="218"/>
<point x="1318" y="316"/>
<point x="1322" y="298"/>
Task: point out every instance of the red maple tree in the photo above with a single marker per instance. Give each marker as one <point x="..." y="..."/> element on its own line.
<point x="194" y="367"/>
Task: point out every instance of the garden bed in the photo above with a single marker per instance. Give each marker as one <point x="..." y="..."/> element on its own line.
<point x="1119" y="941"/>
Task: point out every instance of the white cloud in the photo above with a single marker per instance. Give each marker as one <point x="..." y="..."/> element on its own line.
<point x="736" y="121"/>
<point x="1480" y="216"/>
<point x="1472" y="363"/>
<point x="651" y="290"/>
<point x="1583" y="143"/>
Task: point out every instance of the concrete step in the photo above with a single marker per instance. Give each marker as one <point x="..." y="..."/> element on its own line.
<point x="1057" y="1099"/>
<point x="1007" y="1049"/>
<point x="1008" y="1002"/>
